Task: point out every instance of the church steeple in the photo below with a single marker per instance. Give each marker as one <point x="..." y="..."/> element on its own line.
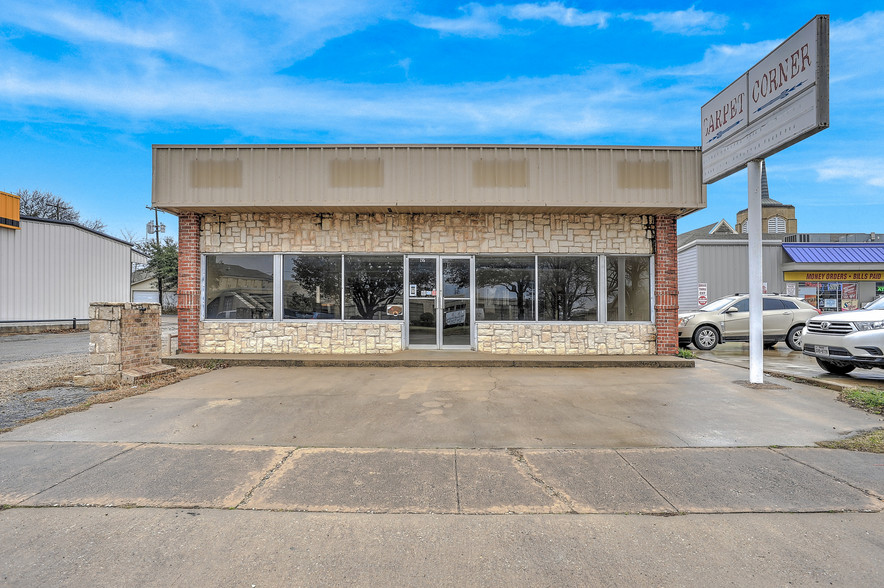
<point x="776" y="216"/>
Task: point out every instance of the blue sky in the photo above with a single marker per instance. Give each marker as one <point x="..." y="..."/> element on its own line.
<point x="87" y="87"/>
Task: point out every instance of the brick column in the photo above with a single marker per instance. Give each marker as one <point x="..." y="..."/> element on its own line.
<point x="666" y="286"/>
<point x="188" y="282"/>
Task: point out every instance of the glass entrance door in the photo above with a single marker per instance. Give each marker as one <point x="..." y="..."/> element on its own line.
<point x="439" y="302"/>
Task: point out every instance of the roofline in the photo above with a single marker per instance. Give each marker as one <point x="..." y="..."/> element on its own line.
<point x="833" y="244"/>
<point x="77" y="225"/>
<point x="726" y="242"/>
<point x="418" y="145"/>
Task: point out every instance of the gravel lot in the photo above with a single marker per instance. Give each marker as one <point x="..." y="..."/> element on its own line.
<point x="36" y="371"/>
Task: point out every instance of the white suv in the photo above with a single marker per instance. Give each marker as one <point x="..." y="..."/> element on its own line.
<point x="843" y="341"/>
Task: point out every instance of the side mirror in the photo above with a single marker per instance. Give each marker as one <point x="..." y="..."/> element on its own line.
<point x="731" y="310"/>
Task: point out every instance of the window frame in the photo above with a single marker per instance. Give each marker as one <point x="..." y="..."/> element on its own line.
<point x="278" y="259"/>
<point x="204" y="268"/>
<point x="652" y="258"/>
<point x="282" y="281"/>
<point x="598" y="282"/>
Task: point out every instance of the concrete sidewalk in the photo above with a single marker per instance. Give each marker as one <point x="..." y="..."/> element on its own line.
<point x="452" y="477"/>
<point x="442" y="481"/>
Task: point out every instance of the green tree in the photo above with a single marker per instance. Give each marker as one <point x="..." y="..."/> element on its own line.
<point x="163" y="262"/>
<point x="47" y="205"/>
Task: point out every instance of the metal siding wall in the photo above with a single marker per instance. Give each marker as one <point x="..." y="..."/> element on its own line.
<point x="428" y="176"/>
<point x="687" y="280"/>
<point x="54" y="271"/>
<point x="725" y="268"/>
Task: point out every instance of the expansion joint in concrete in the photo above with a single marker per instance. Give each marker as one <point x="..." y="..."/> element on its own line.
<point x="829" y="474"/>
<point x="648" y="482"/>
<point x="456" y="484"/>
<point x="92" y="467"/>
<point x="532" y="473"/>
<point x="264" y="479"/>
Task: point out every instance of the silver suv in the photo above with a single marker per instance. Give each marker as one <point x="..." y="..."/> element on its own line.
<point x="843" y="341"/>
<point x="727" y="319"/>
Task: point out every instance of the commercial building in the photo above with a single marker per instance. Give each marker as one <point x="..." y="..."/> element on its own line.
<point x="379" y="248"/>
<point x="53" y="269"/>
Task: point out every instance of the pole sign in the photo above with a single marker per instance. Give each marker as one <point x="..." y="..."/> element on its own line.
<point x="702" y="299"/>
<point x="783" y="99"/>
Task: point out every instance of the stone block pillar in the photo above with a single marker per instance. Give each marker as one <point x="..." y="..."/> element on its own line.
<point x="188" y="282"/>
<point x="123" y="337"/>
<point x="666" y="285"/>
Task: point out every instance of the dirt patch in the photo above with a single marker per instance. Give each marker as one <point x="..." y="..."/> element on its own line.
<point x="25" y="407"/>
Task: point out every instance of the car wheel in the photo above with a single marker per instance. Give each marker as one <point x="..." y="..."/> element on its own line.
<point x="705" y="338"/>
<point x="793" y="339"/>
<point x="834" y="368"/>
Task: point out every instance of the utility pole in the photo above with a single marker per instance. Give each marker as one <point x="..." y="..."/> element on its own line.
<point x="157" y="228"/>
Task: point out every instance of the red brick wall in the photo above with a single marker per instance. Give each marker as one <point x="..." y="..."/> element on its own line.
<point x="188" y="282"/>
<point x="666" y="286"/>
<point x="139" y="335"/>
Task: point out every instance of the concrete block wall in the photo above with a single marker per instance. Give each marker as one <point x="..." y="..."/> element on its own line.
<point x="122" y="336"/>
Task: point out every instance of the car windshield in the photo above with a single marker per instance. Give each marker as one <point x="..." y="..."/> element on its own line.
<point x="876" y="305"/>
<point x="717" y="304"/>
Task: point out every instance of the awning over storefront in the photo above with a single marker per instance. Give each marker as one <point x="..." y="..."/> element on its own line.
<point x="835" y="252"/>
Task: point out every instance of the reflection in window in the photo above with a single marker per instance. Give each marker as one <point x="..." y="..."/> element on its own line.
<point x="373" y="287"/>
<point x="567" y="288"/>
<point x="629" y="288"/>
<point x="505" y="288"/>
<point x="311" y="286"/>
<point x="239" y="286"/>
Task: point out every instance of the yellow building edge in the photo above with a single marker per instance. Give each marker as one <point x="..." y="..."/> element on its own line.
<point x="835" y="276"/>
<point x="10" y="211"/>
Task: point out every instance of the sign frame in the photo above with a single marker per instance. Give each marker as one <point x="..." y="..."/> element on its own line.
<point x="781" y="100"/>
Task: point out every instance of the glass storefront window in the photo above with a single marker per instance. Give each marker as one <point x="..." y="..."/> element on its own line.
<point x="567" y="288"/>
<point x="239" y="287"/>
<point x="373" y="287"/>
<point x="505" y="288"/>
<point x="311" y="286"/>
<point x="629" y="288"/>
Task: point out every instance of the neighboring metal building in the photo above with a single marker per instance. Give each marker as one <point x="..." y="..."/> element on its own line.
<point x="713" y="261"/>
<point x="51" y="270"/>
<point x="377" y="248"/>
<point x="832" y="271"/>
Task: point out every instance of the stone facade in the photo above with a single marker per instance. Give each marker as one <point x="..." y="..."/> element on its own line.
<point x="423" y="233"/>
<point x="564" y="339"/>
<point x="436" y="233"/>
<point x="314" y="337"/>
<point x="123" y="336"/>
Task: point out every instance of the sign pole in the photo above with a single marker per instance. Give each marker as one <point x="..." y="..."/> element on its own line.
<point x="756" y="306"/>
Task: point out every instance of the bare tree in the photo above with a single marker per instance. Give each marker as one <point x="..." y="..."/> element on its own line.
<point x="47" y="205"/>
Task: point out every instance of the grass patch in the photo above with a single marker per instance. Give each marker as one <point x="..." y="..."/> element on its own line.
<point x="686" y="353"/>
<point x="868" y="399"/>
<point x="871" y="442"/>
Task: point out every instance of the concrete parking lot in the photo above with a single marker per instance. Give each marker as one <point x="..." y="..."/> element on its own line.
<point x="783" y="361"/>
<point x="415" y="476"/>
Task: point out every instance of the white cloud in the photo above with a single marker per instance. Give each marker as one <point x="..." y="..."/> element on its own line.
<point x="489" y="21"/>
<point x="863" y="170"/>
<point x="556" y="11"/>
<point x="683" y="22"/>
<point x="477" y="21"/>
<point x="225" y="35"/>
